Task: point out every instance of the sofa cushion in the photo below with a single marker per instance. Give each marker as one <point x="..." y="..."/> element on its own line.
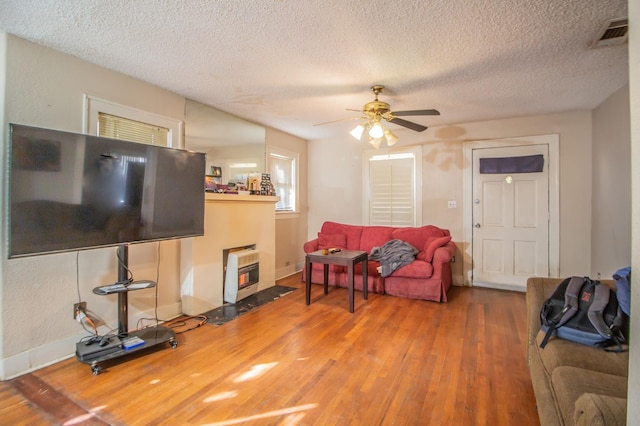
<point x="352" y="232"/>
<point x="594" y="409"/>
<point x="430" y="247"/>
<point x="570" y="382"/>
<point x="326" y="241"/>
<point x="417" y="237"/>
<point x="416" y="269"/>
<point x="375" y="236"/>
<point x="559" y="352"/>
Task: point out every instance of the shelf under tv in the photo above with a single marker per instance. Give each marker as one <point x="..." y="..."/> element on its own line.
<point x="96" y="356"/>
<point x="152" y="337"/>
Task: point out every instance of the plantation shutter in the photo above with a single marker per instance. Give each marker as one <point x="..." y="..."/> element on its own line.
<point x="282" y="177"/>
<point x="111" y="126"/>
<point x="392" y="192"/>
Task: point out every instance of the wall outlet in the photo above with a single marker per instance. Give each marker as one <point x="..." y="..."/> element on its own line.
<point x="452" y="204"/>
<point x="79" y="306"/>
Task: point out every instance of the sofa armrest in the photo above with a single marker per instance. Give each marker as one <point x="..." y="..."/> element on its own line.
<point x="595" y="409"/>
<point x="441" y="256"/>
<point x="310" y="246"/>
<point x="444" y="253"/>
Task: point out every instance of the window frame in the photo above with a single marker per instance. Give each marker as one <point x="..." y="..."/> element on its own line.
<point x="295" y="157"/>
<point x="94" y="105"/>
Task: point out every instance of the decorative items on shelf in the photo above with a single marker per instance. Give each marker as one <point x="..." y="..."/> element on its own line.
<point x="216" y="173"/>
<point x="252" y="183"/>
<point x="266" y="187"/>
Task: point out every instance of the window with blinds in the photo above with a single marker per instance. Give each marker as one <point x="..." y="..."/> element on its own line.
<point x="111" y="126"/>
<point x="392" y="193"/>
<point x="282" y="166"/>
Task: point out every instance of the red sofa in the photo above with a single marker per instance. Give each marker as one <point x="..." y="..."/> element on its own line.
<point x="428" y="277"/>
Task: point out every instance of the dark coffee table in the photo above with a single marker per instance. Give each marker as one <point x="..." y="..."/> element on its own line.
<point x="347" y="258"/>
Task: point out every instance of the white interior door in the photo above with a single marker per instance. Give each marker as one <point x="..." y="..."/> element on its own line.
<point x="510" y="221"/>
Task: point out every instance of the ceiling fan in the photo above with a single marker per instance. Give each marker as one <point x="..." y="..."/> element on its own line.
<point x="377" y="110"/>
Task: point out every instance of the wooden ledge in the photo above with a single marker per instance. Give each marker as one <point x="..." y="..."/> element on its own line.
<point x="212" y="196"/>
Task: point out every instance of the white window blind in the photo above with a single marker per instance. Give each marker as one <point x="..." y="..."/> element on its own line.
<point x="115" y="127"/>
<point x="392" y="192"/>
<point x="283" y="177"/>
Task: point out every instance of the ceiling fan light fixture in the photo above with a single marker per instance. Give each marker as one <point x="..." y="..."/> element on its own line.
<point x="377" y="130"/>
<point x="357" y="131"/>
<point x="391" y="137"/>
<point x="375" y="142"/>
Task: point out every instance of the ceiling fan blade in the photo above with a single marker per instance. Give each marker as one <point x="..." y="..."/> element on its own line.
<point x="416" y="112"/>
<point x="408" y="124"/>
<point x="342" y="119"/>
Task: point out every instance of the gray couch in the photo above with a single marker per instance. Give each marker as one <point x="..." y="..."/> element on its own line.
<point x="574" y="384"/>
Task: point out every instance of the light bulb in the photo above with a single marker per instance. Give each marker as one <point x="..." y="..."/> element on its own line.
<point x="376" y="131"/>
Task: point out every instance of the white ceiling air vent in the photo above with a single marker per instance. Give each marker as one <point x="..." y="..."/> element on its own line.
<point x="615" y="31"/>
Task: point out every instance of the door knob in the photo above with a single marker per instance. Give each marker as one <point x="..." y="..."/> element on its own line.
<point x="477" y="225"/>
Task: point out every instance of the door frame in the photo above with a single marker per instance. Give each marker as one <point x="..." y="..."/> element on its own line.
<point x="553" y="141"/>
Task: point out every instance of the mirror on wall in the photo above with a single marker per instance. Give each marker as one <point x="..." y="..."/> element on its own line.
<point x="235" y="147"/>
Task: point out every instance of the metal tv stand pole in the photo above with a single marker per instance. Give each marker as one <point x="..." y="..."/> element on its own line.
<point x="123" y="298"/>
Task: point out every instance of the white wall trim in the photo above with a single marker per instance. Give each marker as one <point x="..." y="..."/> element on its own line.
<point x="288" y="270"/>
<point x="553" y="141"/>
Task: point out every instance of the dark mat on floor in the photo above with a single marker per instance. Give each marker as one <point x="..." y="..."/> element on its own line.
<point x="229" y="311"/>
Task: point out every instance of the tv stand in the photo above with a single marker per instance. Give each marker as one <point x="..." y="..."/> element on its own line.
<point x="94" y="354"/>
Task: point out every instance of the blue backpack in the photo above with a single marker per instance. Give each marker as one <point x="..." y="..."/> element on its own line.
<point x="584" y="311"/>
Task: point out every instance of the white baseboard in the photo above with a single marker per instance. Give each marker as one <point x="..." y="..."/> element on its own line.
<point x="288" y="271"/>
<point x="50" y="353"/>
<point x="498" y="286"/>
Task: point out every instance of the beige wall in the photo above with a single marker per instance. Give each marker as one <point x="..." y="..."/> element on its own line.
<point x="45" y="88"/>
<point x="3" y="65"/>
<point x="611" y="204"/>
<point x="291" y="229"/>
<point x="337" y="178"/>
<point x="633" y="409"/>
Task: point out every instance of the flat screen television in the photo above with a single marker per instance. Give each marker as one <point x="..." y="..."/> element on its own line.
<point x="71" y="191"/>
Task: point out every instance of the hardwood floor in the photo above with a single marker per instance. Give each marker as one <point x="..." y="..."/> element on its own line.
<point x="394" y="361"/>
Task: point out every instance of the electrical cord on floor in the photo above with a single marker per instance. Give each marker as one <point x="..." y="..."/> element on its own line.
<point x="182" y="321"/>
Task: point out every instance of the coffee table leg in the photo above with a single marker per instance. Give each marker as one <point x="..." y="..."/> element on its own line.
<point x="326" y="278"/>
<point x="308" y="286"/>
<point x="365" y="278"/>
<point x="350" y="272"/>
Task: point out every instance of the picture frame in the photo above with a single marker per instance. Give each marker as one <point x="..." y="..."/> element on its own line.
<point x="216" y="171"/>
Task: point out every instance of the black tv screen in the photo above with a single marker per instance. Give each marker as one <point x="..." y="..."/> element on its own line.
<point x="71" y="191"/>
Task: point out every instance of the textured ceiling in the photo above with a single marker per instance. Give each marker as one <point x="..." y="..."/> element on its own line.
<point x="291" y="64"/>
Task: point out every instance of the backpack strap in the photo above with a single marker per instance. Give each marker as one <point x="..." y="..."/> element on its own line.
<point x="596" y="310"/>
<point x="596" y="316"/>
<point x="571" y="300"/>
<point x="568" y="311"/>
